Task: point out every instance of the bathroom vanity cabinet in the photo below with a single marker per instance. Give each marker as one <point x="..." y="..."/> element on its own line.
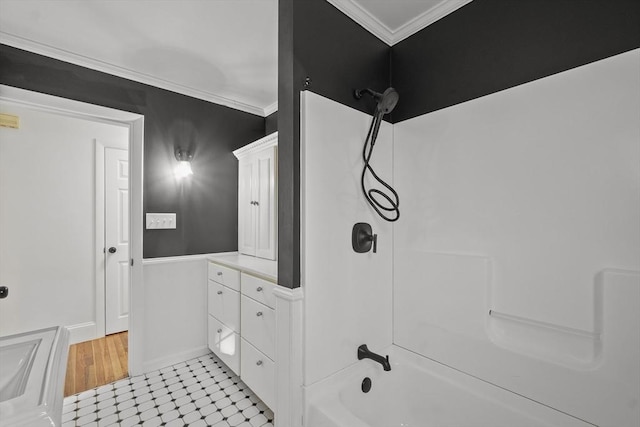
<point x="224" y="314"/>
<point x="242" y="327"/>
<point x="257" y="348"/>
<point x="257" y="173"/>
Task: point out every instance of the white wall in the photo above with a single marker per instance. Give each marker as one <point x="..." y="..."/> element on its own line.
<point x="47" y="220"/>
<point x="527" y="202"/>
<point x="347" y="295"/>
<point x="175" y="310"/>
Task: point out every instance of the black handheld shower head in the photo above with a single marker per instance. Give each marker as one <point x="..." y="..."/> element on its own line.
<point x="384" y="200"/>
<point x="386" y="101"/>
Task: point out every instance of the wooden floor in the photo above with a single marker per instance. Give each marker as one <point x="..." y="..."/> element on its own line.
<point x="97" y="362"/>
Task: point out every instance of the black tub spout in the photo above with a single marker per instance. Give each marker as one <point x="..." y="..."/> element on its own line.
<point x="365" y="353"/>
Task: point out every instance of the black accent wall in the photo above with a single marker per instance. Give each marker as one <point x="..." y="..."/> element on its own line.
<point x="491" y="45"/>
<point x="484" y="47"/>
<point x="271" y="123"/>
<point x="322" y="50"/>
<point x="207" y="204"/>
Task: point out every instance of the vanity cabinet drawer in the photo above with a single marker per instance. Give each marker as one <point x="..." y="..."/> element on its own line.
<point x="259" y="325"/>
<point x="259" y="289"/>
<point x="224" y="343"/>
<point x="259" y="373"/>
<point x="225" y="276"/>
<point x="224" y="304"/>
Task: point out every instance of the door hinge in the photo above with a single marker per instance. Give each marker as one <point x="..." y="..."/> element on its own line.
<point x="131" y="262"/>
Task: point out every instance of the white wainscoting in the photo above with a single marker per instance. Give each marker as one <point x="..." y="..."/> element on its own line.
<point x="289" y="356"/>
<point x="175" y="323"/>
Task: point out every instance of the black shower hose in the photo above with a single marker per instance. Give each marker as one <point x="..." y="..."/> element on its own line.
<point x="388" y="209"/>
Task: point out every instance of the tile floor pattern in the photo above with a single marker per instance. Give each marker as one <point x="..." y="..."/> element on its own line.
<point x="197" y="393"/>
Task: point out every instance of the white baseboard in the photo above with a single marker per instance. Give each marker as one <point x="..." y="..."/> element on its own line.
<point x="82" y="332"/>
<point x="163" y="362"/>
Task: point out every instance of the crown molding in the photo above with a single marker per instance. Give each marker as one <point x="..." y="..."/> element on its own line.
<point x="270" y="109"/>
<point x="427" y="18"/>
<point x="105" y="67"/>
<point x="265" y="142"/>
<point x="372" y="24"/>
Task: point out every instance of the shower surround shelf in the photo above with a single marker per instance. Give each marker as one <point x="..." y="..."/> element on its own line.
<point x="573" y="348"/>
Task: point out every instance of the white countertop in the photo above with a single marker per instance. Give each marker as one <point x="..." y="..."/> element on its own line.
<point x="264" y="268"/>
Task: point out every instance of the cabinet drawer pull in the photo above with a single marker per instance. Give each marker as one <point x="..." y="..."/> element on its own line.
<point x="259" y="289"/>
<point x="219" y="292"/>
<point x="219" y="331"/>
<point x="259" y="314"/>
<point x="259" y="362"/>
<point x="219" y="273"/>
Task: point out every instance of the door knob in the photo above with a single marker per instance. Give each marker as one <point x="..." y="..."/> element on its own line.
<point x="4" y="292"/>
<point x="112" y="250"/>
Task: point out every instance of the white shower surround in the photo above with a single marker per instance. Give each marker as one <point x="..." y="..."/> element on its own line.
<point x="524" y="202"/>
<point x="347" y="294"/>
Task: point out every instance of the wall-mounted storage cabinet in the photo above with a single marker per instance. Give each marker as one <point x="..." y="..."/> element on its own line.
<point x="257" y="199"/>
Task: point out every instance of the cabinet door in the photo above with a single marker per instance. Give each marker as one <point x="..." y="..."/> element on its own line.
<point x="265" y="208"/>
<point x="258" y="372"/>
<point x="224" y="343"/>
<point x="215" y="299"/>
<point x="224" y="305"/>
<point x="259" y="326"/>
<point x="246" y="213"/>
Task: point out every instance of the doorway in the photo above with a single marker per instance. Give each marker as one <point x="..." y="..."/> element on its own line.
<point x="46" y="213"/>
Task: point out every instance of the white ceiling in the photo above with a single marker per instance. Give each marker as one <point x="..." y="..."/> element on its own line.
<point x="222" y="51"/>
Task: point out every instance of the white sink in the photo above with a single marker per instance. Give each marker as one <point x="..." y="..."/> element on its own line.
<point x="32" y="371"/>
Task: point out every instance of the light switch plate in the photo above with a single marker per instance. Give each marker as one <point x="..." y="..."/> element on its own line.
<point x="157" y="221"/>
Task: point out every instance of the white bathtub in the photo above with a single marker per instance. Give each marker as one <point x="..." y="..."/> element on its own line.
<point x="419" y="392"/>
<point x="32" y="372"/>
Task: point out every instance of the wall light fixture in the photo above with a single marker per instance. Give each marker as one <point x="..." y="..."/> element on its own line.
<point x="183" y="169"/>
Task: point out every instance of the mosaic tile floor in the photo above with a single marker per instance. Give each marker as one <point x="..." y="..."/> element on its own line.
<point x="197" y="393"/>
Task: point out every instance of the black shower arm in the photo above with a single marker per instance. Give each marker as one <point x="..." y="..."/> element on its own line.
<point x="360" y="92"/>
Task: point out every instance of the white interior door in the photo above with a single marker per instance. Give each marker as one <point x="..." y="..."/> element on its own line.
<point x="116" y="240"/>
